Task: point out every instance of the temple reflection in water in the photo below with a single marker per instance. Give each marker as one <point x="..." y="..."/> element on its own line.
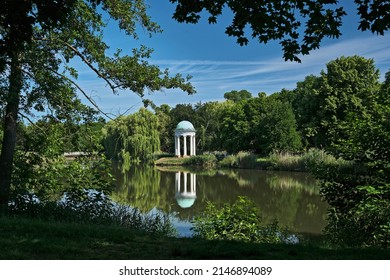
<point x="185" y="186"/>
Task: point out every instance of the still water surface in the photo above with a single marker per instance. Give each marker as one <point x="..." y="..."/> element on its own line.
<point x="291" y="198"/>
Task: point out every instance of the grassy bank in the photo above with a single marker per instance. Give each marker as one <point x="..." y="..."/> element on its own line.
<point x="303" y="162"/>
<point x="22" y="238"/>
<point x="199" y="161"/>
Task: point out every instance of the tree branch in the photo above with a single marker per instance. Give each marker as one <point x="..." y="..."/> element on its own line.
<point x="83" y="92"/>
<point x="93" y="68"/>
<point x="85" y="60"/>
<point x="31" y="122"/>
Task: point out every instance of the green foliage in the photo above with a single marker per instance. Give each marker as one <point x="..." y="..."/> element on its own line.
<point x="348" y="89"/>
<point x="229" y="161"/>
<point x="239" y="221"/>
<point x="208" y="124"/>
<point x="234" y="127"/>
<point x="77" y="191"/>
<point x="315" y="159"/>
<point x="91" y="207"/>
<point x="164" y="127"/>
<point x="201" y="160"/>
<point x="359" y="203"/>
<point x="365" y="222"/>
<point x="359" y="196"/>
<point x="49" y="137"/>
<point x="132" y="138"/>
<point x="237" y="96"/>
<point x="1" y="136"/>
<point x="306" y="106"/>
<point x="277" y="130"/>
<point x="246" y="160"/>
<point x="49" y="178"/>
<point x="286" y="161"/>
<point x="259" y="124"/>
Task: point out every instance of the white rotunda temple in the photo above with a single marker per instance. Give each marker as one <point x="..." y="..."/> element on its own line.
<point x="185" y="130"/>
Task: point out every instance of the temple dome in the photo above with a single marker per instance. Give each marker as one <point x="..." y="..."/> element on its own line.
<point x="185" y="126"/>
<point x="185" y="202"/>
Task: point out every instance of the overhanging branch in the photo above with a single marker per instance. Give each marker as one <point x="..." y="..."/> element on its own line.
<point x="83" y="92"/>
<point x="93" y="68"/>
<point x="85" y="60"/>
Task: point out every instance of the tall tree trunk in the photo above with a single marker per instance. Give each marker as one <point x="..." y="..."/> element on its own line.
<point x="10" y="123"/>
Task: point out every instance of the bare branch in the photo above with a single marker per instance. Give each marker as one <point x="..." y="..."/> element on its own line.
<point x="83" y="92"/>
<point x="85" y="60"/>
<point x="31" y="122"/>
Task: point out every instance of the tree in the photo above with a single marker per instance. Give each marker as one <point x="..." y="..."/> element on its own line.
<point x="348" y="88"/>
<point x="235" y="127"/>
<point x="164" y="123"/>
<point x="236" y="96"/>
<point x="132" y="138"/>
<point x="17" y="22"/>
<point x="284" y="20"/>
<point x="209" y="125"/>
<point x="305" y="103"/>
<point x="276" y="130"/>
<point x="38" y="39"/>
<point x="359" y="192"/>
<point x="49" y="137"/>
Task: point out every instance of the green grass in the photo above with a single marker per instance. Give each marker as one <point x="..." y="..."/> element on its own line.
<point x="170" y="161"/>
<point x="22" y="238"/>
<point x="283" y="161"/>
<point x="199" y="160"/>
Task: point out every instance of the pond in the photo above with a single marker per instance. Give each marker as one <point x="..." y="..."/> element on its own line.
<point x="290" y="197"/>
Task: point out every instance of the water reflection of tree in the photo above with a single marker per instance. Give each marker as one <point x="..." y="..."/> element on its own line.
<point x="284" y="180"/>
<point x="139" y="186"/>
<point x="291" y="198"/>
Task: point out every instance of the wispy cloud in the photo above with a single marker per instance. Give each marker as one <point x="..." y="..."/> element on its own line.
<point x="212" y="78"/>
<point x="275" y="72"/>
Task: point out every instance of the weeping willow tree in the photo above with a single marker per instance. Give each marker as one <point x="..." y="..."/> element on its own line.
<point x="132" y="138"/>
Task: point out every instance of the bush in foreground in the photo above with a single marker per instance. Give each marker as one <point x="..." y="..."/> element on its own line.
<point x="240" y="221"/>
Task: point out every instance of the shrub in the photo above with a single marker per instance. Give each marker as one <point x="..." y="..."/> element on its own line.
<point x="229" y="161"/>
<point x="90" y="206"/>
<point x="315" y="159"/>
<point x="246" y="160"/>
<point x="240" y="221"/>
<point x="243" y="160"/>
<point x="366" y="223"/>
<point x="286" y="161"/>
<point x="202" y="160"/>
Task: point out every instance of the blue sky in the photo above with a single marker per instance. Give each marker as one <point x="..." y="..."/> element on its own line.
<point x="218" y="65"/>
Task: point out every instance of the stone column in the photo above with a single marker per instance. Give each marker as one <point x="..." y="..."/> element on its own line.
<point x="190" y="145"/>
<point x="193" y="188"/>
<point x="178" y="146"/>
<point x="194" y="141"/>
<point x="194" y="182"/>
<point x="185" y="145"/>
<point x="176" y="154"/>
<point x="185" y="182"/>
<point x="177" y="181"/>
